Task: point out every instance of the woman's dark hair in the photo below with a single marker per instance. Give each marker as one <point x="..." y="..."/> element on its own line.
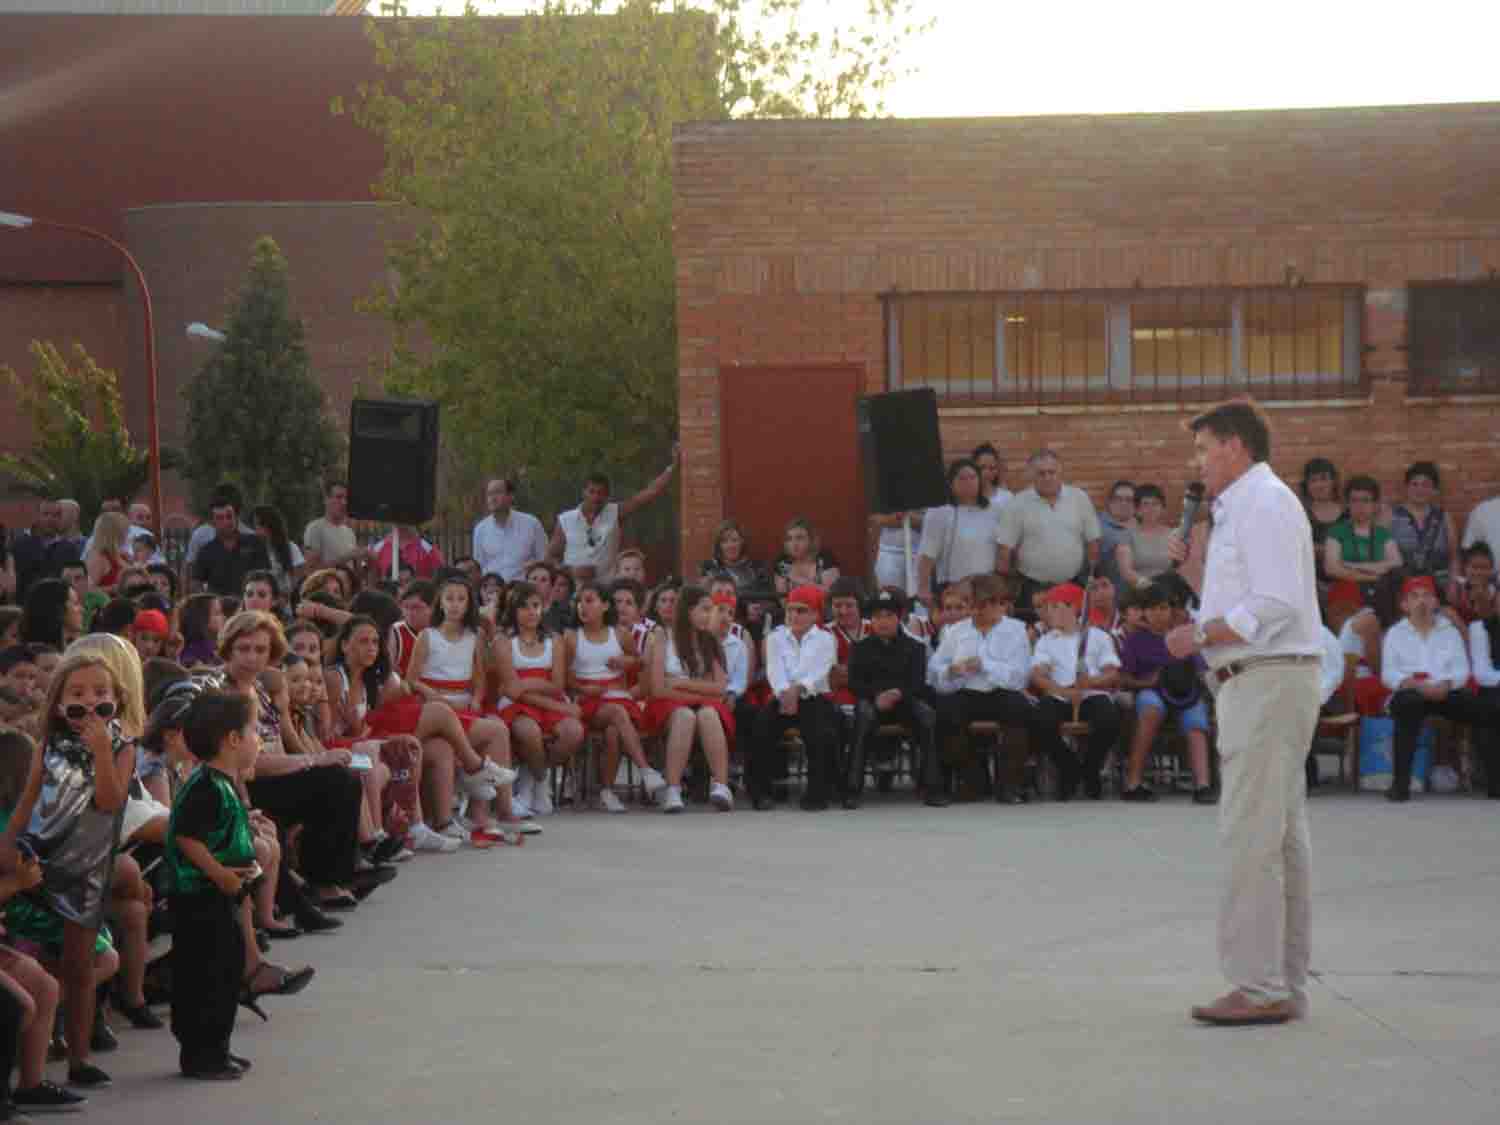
<point x="277" y="542"/>
<point x="470" y="620"/>
<point x="637" y="591"/>
<point x="604" y="596"/>
<point x="16" y="752"/>
<point x="731" y="525"/>
<point x="520" y="594"/>
<point x="377" y="673"/>
<point x="1362" y="483"/>
<point x="163" y="568"/>
<point x="383" y="609"/>
<point x="212" y="718"/>
<point x="298" y="627"/>
<point x="959" y="466"/>
<point x="698" y="649"/>
<point x="649" y="609"/>
<point x="984" y="448"/>
<point x="195" y="614"/>
<point x="1425" y="469"/>
<point x="1319" y="467"/>
<point x="1240" y="419"/>
<point x="45" y="610"/>
<point x="1145" y="491"/>
<point x="115" y="616"/>
<point x="564" y="577"/>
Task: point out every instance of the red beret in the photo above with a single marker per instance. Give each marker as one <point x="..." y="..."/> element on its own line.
<point x="151" y="621"/>
<point x="724" y="597"/>
<point x="1421" y="582"/>
<point x="1068" y="593"/>
<point x="810" y="596"/>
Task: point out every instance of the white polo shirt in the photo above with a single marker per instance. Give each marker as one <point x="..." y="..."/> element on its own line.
<point x="506" y="549"/>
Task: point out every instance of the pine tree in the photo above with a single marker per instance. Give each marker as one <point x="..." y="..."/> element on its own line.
<point x="256" y="414"/>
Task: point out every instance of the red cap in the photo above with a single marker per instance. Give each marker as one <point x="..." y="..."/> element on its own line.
<point x="810" y="596"/>
<point x="724" y="597"/>
<point x="151" y="621"/>
<point x="1421" y="582"/>
<point x="1068" y="593"/>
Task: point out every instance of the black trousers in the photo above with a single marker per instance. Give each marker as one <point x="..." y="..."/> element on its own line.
<point x="818" y="721"/>
<point x="1409" y="708"/>
<point x="957" y="710"/>
<point x="208" y="966"/>
<point x="1103" y="718"/>
<point x="325" y="801"/>
<point x="915" y="713"/>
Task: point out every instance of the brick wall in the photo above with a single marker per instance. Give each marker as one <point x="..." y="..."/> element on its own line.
<point x="787" y="233"/>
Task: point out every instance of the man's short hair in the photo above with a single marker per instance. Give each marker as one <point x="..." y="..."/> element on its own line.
<point x="1240" y="419"/>
<point x="991" y="588"/>
<point x="1151" y="594"/>
<point x="1426" y="469"/>
<point x="211" y="719"/>
<point x="259" y="576"/>
<point x="597" y="478"/>
<point x="116" y="616"/>
<point x="329" y="486"/>
<point x="1362" y="484"/>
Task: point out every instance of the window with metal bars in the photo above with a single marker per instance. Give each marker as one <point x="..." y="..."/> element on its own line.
<point x="1107" y="346"/>
<point x="1453" y="337"/>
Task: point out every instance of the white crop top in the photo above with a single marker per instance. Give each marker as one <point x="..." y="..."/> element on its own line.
<point x="450" y="663"/>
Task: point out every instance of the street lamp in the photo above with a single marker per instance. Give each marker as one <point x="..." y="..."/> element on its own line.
<point x="200" y="331"/>
<point x="21" y="222"/>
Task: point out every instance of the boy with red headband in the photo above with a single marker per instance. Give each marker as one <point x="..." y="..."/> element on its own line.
<point x="1074" y="673"/>
<point x="1425" y="664"/>
<point x="799" y="657"/>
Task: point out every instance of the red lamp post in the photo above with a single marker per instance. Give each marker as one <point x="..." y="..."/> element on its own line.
<point x="20" y="222"/>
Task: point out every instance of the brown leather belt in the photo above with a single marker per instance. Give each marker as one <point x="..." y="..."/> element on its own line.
<point x="1226" y="672"/>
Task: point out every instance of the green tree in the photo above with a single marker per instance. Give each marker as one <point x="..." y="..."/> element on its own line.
<point x="537" y="293"/>
<point x="81" y="448"/>
<point x="256" y="414"/>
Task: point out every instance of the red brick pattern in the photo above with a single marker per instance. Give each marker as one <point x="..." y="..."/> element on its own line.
<point x="787" y="233"/>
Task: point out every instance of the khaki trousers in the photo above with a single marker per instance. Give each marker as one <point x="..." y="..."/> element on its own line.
<point x="1267" y="717"/>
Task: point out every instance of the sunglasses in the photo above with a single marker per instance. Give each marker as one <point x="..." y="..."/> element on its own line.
<point x="77" y="711"/>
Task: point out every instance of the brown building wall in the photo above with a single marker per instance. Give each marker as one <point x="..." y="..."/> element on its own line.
<point x="787" y="234"/>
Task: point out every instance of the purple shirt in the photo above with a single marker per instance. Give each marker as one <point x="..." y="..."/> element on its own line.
<point x="1145" y="653"/>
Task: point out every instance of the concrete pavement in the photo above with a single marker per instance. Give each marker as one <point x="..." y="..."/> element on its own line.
<point x="899" y="964"/>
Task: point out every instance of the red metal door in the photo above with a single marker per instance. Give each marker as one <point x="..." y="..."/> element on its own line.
<point x="791" y="449"/>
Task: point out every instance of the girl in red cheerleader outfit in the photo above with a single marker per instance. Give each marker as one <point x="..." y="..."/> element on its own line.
<point x="533" y="677"/>
<point x="687" y="688"/>
<point x="447" y="666"/>
<point x="600" y="656"/>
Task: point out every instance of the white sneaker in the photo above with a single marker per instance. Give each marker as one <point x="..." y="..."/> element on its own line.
<point x="477" y="785"/>
<point x="541" y="796"/>
<point x="424" y="839"/>
<point x="403" y="855"/>
<point x="672" y="802"/>
<point x="454" y="831"/>
<point x="524" y="827"/>
<point x="653" y="782"/>
<point x="609" y="802"/>
<point x="720" y="797"/>
<point x="496" y="774"/>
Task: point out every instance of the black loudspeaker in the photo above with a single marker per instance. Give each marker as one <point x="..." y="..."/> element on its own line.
<point x="902" y="451"/>
<point x="393" y="460"/>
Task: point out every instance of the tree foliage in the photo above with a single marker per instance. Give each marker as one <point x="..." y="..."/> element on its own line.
<point x="81" y="448"/>
<point x="536" y="298"/>
<point x="256" y="414"/>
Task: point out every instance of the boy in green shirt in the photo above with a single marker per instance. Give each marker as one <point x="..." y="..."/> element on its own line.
<point x="210" y="864"/>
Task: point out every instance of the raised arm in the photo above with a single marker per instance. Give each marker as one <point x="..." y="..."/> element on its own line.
<point x="654" y="489"/>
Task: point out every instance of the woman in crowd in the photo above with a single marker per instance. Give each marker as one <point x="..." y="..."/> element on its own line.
<point x="731" y="559"/>
<point x="1320" y="496"/>
<point x="991" y="474"/>
<point x="1142" y="554"/>
<point x="53" y="614"/>
<point x="286" y="557"/>
<point x="1358" y="554"/>
<point x="1424" y="532"/>
<point x="108" y="550"/>
<point x="687" y="698"/>
<point x="544" y="723"/>
<point x="802" y="561"/>
<point x="600" y="657"/>
<point x="958" y="539"/>
<point x="202" y="619"/>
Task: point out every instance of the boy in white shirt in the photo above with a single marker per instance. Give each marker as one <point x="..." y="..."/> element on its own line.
<point x="980" y="671"/>
<point x="799" y="656"/>
<point x="1064" y="689"/>
<point x="1425" y="664"/>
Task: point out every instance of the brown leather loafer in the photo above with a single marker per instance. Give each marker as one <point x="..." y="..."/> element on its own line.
<point x="1238" y="1010"/>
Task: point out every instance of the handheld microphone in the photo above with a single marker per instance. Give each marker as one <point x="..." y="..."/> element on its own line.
<point x="1192" y="500"/>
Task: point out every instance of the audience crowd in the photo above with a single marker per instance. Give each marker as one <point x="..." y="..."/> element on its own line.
<point x="220" y="757"/>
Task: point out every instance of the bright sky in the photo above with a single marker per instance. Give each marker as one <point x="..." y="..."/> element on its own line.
<point x="989" y="57"/>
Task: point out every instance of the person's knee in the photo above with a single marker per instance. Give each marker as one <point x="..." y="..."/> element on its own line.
<point x="1149" y="705"/>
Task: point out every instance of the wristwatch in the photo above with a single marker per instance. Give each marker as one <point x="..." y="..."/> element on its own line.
<point x="1200" y="635"/>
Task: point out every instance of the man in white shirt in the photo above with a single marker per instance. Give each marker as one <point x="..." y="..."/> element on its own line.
<point x="799" y="656"/>
<point x="586" y="540"/>
<point x="1073" y="674"/>
<point x="1425" y="665"/>
<point x="987" y="659"/>
<point x="506" y="541"/>
<point x="1258" y="633"/>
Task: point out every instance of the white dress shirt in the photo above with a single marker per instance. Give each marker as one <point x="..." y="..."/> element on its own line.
<point x="506" y="549"/>
<point x="1481" y="659"/>
<point x="1004" y="655"/>
<point x="1441" y="655"/>
<point x="1059" y="651"/>
<point x="737" y="664"/>
<point x="803" y="663"/>
<point x="963" y="548"/>
<point x="1331" y="672"/>
<point x="1260" y="576"/>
